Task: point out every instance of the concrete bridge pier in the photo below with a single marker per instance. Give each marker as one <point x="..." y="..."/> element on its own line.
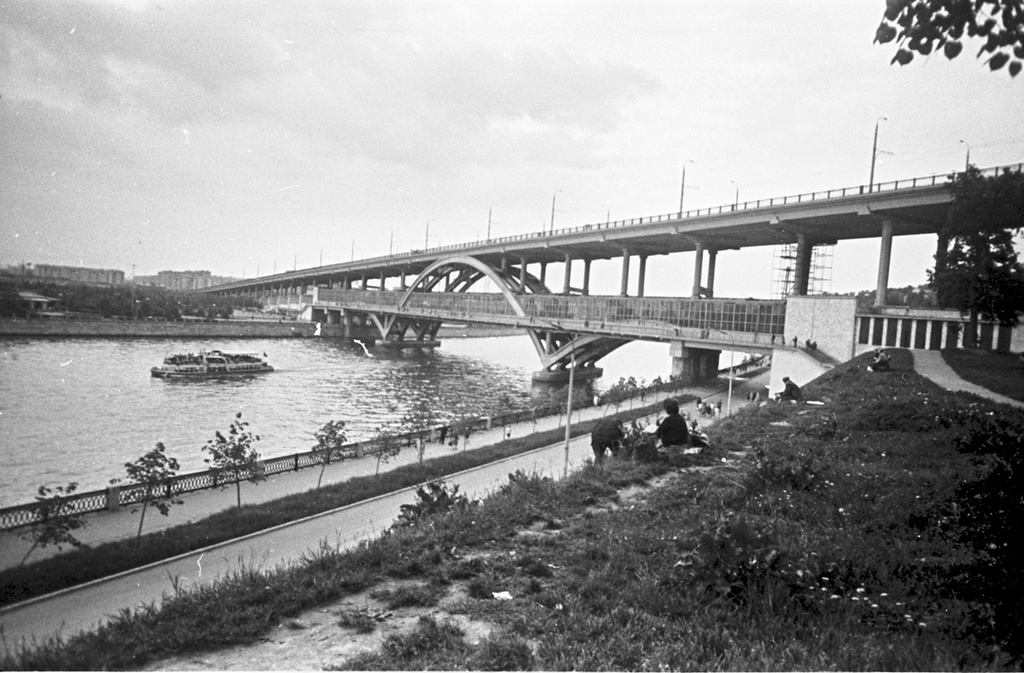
<point x="693" y="365"/>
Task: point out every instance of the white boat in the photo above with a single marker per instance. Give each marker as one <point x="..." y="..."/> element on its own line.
<point x="210" y="364"/>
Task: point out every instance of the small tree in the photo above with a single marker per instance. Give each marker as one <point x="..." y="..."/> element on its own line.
<point x="418" y="419"/>
<point x="234" y="456"/>
<point x="329" y="441"/>
<point x="55" y="519"/>
<point x="155" y="470"/>
<point x="384" y="446"/>
<point x="621" y="391"/>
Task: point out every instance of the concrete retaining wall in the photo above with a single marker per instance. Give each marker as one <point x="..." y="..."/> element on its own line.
<point x="795" y="364"/>
<point x="134" y="328"/>
<point x="829" y="321"/>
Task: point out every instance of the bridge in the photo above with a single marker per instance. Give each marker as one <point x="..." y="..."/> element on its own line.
<point x="401" y="299"/>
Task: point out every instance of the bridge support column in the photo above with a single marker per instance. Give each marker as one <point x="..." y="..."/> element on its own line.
<point x="522" y="272"/>
<point x="802" y="273"/>
<point x="698" y="270"/>
<point x="641" y="276"/>
<point x="586" y="277"/>
<point x="543" y="273"/>
<point x="567" y="281"/>
<point x="884" y="259"/>
<point x="712" y="258"/>
<point x="693" y="365"/>
<point x="624" y="285"/>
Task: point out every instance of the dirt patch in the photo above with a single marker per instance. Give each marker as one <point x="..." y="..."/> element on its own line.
<point x="316" y="639"/>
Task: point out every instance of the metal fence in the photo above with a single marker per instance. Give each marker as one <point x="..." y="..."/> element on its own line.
<point x="115" y="497"/>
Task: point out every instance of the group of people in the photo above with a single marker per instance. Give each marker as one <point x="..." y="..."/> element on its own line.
<point x="705" y="409"/>
<point x="672" y="431"/>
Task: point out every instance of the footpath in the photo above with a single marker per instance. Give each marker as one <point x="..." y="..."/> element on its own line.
<point x="87" y="606"/>
<point x="930" y="365"/>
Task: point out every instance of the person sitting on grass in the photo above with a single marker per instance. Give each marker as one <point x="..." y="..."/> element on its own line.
<point x="881" y="363"/>
<point x="791" y="392"/>
<point x="672" y="430"/>
<point x="606" y="435"/>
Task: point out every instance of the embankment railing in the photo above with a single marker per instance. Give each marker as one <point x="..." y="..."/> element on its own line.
<point x="121" y="495"/>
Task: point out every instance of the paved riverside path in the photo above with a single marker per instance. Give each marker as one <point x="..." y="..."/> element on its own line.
<point x="931" y="365"/>
<point x="80" y="608"/>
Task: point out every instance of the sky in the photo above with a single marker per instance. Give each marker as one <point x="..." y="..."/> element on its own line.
<point x="246" y="138"/>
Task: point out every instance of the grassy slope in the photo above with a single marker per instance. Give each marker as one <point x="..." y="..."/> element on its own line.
<point x="1000" y="372"/>
<point x="834" y="537"/>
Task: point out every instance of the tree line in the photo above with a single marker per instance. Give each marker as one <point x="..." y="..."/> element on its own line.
<point x="120" y="301"/>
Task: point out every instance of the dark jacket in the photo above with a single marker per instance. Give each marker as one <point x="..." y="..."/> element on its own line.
<point x="606" y="433"/>
<point x="672" y="431"/>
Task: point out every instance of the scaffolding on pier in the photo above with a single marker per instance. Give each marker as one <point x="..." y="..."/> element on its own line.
<point x="819" y="280"/>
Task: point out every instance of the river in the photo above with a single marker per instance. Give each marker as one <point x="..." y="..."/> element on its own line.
<point x="78" y="409"/>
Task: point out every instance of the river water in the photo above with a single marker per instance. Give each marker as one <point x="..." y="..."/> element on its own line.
<point x="78" y="409"/>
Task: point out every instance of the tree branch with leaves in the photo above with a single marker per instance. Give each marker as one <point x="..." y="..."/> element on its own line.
<point x="927" y="26"/>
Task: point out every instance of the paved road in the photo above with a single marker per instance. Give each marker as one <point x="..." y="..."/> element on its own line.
<point x="68" y="612"/>
<point x="87" y="606"/>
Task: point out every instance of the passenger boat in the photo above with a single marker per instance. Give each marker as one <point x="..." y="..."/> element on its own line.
<point x="210" y="364"/>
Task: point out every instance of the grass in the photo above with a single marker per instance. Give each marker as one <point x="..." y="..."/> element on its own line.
<point x="86" y="564"/>
<point x="999" y="372"/>
<point x="876" y="532"/>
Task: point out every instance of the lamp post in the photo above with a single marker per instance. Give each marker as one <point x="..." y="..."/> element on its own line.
<point x="489" y="210"/>
<point x="732" y="369"/>
<point x="568" y="409"/>
<point x="553" y="209"/>
<point x="682" y="187"/>
<point x="967" y="162"/>
<point x="874" y="154"/>
<point x="736" y="202"/>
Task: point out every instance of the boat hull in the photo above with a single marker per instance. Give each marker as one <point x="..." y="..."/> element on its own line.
<point x="163" y="373"/>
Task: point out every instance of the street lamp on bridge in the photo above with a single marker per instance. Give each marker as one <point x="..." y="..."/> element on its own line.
<point x="874" y="155"/>
<point x="682" y="187"/>
<point x="967" y="162"/>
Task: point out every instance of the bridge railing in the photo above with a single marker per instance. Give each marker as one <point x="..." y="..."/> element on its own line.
<point x="842" y="192"/>
<point x="839" y="193"/>
<point x="599" y="313"/>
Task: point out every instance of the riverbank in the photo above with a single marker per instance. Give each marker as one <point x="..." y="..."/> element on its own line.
<point x="214" y="329"/>
<point x="818" y="537"/>
<point x="121" y="523"/>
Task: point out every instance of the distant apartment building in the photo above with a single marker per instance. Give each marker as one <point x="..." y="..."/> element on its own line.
<point x="78" y="274"/>
<point x="184" y="280"/>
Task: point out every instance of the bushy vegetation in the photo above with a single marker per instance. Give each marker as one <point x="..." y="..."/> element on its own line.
<point x="878" y="531"/>
<point x="121" y="301"/>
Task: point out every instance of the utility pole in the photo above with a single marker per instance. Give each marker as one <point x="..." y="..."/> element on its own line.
<point x="489" y="222"/>
<point x="967" y="165"/>
<point x="553" y="211"/>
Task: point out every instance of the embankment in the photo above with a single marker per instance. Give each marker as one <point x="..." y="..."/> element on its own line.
<point x="235" y="329"/>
